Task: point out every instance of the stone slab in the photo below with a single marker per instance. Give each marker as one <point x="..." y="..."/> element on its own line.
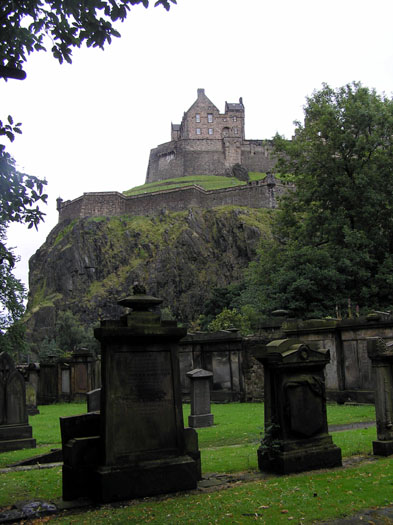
<point x="146" y="479"/>
<point x="300" y="460"/>
<point x="8" y="432"/>
<point x="17" y="444"/>
<point x="201" y="420"/>
<point x="382" y="448"/>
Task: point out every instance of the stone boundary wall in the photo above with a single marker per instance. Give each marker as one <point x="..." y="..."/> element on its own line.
<point x="349" y="375"/>
<point x="262" y="194"/>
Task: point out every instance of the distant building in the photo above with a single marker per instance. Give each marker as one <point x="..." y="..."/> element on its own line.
<point x="208" y="142"/>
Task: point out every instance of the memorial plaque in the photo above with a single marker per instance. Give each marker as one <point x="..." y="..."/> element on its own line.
<point x="81" y="377"/>
<point x="65" y="381"/>
<point x="141" y="391"/>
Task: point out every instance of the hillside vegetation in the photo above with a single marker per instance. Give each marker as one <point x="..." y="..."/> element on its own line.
<point x="86" y="265"/>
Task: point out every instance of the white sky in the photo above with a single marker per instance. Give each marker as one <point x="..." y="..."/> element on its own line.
<point x="90" y="126"/>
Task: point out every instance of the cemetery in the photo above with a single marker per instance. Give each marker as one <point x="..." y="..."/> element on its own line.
<point x="160" y="442"/>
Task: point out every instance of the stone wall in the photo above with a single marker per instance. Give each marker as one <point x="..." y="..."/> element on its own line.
<point x="208" y="156"/>
<point x="263" y="194"/>
<point x="220" y="353"/>
<point x="349" y="375"/>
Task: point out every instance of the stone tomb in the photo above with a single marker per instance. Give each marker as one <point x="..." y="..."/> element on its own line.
<point x="296" y="431"/>
<point x="200" y="398"/>
<point x="381" y="355"/>
<point x="142" y="448"/>
<point x="15" y="432"/>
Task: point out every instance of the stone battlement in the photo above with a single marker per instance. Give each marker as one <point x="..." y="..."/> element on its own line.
<point x="257" y="194"/>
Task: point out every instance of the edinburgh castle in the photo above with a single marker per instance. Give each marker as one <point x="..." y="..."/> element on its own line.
<point x="206" y="142"/>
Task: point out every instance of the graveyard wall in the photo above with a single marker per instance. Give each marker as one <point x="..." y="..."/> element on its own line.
<point x="260" y="194"/>
<point x="349" y="375"/>
<point x="219" y="352"/>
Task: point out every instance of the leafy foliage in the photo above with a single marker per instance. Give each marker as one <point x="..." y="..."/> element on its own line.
<point x="20" y="195"/>
<point x="230" y="319"/>
<point x="30" y="25"/>
<point x="333" y="236"/>
<point x="69" y="334"/>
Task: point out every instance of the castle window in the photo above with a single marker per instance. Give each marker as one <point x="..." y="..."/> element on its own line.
<point x="197" y="117"/>
<point x="235" y="131"/>
<point x="210" y="118"/>
<point x="210" y="131"/>
<point x="198" y="131"/>
<point x="234" y="119"/>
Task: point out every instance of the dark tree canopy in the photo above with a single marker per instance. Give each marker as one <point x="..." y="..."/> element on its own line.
<point x="31" y="25"/>
<point x="333" y="236"/>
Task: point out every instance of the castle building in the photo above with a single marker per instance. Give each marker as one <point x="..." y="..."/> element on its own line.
<point x="208" y="142"/>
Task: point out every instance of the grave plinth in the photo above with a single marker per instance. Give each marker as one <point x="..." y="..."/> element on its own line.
<point x="200" y="398"/>
<point x="15" y="432"/>
<point x="143" y="447"/>
<point x="381" y="355"/>
<point x="296" y="430"/>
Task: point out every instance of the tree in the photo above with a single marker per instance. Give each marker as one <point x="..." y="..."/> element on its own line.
<point x="27" y="26"/>
<point x="333" y="236"/>
<point x="20" y="195"/>
<point x="32" y="24"/>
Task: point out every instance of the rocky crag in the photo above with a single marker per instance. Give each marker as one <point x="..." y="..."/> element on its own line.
<point x="86" y="264"/>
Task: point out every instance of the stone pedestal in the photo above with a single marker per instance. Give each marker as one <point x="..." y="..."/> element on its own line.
<point x="142" y="446"/>
<point x="296" y="431"/>
<point x="381" y="355"/>
<point x="200" y="398"/>
<point x="15" y="432"/>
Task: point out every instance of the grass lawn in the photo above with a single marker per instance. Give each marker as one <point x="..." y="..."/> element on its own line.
<point x="229" y="446"/>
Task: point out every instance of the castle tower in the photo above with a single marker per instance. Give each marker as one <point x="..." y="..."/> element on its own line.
<point x="208" y="142"/>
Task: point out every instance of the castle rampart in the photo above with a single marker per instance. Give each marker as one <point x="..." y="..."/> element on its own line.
<point x="261" y="194"/>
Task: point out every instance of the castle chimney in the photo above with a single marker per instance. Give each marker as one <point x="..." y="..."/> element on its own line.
<point x="241" y="100"/>
<point x="201" y="92"/>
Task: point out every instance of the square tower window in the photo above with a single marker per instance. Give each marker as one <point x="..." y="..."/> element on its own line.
<point x="198" y="131"/>
<point x="210" y="131"/>
<point x="235" y="131"/>
<point x="210" y="117"/>
<point x="234" y="119"/>
<point x="197" y="117"/>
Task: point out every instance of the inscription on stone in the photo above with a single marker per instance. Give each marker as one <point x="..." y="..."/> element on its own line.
<point x="144" y="398"/>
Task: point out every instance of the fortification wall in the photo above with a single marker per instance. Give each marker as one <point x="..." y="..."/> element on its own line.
<point x="207" y="156"/>
<point x="253" y="195"/>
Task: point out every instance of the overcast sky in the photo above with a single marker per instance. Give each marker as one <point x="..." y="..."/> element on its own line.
<point x="90" y="126"/>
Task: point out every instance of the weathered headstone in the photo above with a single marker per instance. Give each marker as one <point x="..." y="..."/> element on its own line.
<point x="142" y="448"/>
<point x="296" y="429"/>
<point x="381" y="355"/>
<point x="200" y="398"/>
<point x="94" y="400"/>
<point x="15" y="432"/>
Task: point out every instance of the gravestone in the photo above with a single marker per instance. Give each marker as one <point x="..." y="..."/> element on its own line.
<point x="296" y="430"/>
<point x="200" y="398"/>
<point x="142" y="448"/>
<point x="15" y="432"/>
<point x="381" y="355"/>
<point x="94" y="400"/>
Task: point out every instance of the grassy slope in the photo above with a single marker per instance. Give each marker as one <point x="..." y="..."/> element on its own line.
<point x="208" y="182"/>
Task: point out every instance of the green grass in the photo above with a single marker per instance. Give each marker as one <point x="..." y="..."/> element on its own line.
<point x="207" y="182"/>
<point x="229" y="446"/>
<point x="301" y="498"/>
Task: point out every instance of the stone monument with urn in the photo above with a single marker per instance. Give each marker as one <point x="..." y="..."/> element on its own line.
<point x="142" y="448"/>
